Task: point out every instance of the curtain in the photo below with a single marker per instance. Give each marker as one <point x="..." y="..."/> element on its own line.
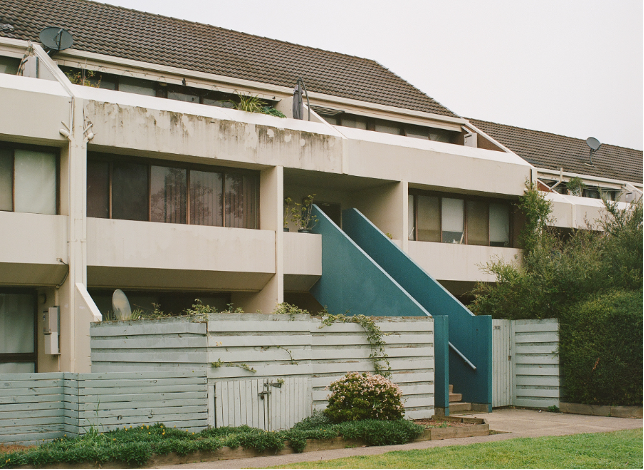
<point x="206" y="198"/>
<point x="35" y="181"/>
<point x="477" y="223"/>
<point x="168" y="188"/>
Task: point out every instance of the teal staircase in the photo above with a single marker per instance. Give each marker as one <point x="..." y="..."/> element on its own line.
<point x="366" y="273"/>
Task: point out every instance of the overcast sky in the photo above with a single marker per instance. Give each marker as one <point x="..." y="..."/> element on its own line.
<point x="572" y="67"/>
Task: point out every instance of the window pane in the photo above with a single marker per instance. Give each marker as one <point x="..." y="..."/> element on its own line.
<point x="241" y="201"/>
<point x="477" y="223"/>
<point x="429" y="222"/>
<point x="168" y="195"/>
<point x="138" y="86"/>
<point x="206" y="198"/>
<point x="411" y="218"/>
<point x="129" y="191"/>
<point x="17" y="367"/>
<point x="16" y="323"/>
<point x="499" y="224"/>
<point x="9" y="65"/>
<point x="6" y="180"/>
<point x="98" y="190"/>
<point x="173" y="95"/>
<point x="35" y="182"/>
<point x="387" y="127"/>
<point x="452" y="220"/>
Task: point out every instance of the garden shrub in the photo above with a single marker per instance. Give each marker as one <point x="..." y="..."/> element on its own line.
<point x="601" y="350"/>
<point x="364" y="396"/>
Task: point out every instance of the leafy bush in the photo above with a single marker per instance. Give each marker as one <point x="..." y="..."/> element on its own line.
<point x="135" y="446"/>
<point x="557" y="272"/>
<point x="601" y="350"/>
<point x="364" y="396"/>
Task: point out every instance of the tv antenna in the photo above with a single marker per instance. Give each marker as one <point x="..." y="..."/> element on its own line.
<point x="56" y="39"/>
<point x="594" y="145"/>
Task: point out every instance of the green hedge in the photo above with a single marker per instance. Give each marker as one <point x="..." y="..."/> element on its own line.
<point x="601" y="350"/>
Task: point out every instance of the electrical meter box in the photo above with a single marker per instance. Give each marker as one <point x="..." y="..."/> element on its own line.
<point x="51" y="328"/>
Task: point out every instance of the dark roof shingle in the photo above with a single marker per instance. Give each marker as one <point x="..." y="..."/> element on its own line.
<point x="552" y="151"/>
<point x="131" y="34"/>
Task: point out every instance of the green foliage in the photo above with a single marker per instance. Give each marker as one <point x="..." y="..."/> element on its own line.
<point x="84" y="77"/>
<point x="591" y="281"/>
<point x="374" y="337"/>
<point x="558" y="272"/>
<point x="575" y="186"/>
<point x="302" y="214"/>
<point x="288" y="309"/>
<point x="134" y="446"/>
<point x="254" y="104"/>
<point x="357" y="397"/>
<point x="218" y="363"/>
<point x="601" y="349"/>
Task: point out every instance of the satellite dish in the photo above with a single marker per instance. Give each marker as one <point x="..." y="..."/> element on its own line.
<point x="56" y="39"/>
<point x="121" y="306"/>
<point x="593" y="143"/>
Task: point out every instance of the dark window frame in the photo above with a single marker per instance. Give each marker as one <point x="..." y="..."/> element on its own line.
<point x="465" y="198"/>
<point x="23" y="357"/>
<point x="13" y="146"/>
<point x="111" y="159"/>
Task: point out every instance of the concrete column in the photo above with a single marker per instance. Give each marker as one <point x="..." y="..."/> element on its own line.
<point x="385" y="206"/>
<point x="74" y="324"/>
<point x="271" y="217"/>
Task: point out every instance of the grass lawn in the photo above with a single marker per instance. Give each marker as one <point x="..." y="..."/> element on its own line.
<point x="620" y="449"/>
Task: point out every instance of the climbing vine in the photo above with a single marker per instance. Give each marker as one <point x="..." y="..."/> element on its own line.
<point x="218" y="363"/>
<point x="375" y="336"/>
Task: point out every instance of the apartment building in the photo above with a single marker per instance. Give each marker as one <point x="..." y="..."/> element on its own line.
<point x="124" y="164"/>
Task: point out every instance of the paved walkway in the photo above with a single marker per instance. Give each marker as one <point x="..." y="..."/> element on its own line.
<point x="512" y="423"/>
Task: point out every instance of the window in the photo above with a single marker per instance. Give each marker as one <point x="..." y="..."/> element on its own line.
<point x="458" y="220"/>
<point x="17" y="331"/>
<point x="137" y="190"/>
<point x="9" y="65"/>
<point x="28" y="179"/>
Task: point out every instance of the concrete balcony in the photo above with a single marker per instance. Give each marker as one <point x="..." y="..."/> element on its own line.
<point x="452" y="262"/>
<point x="302" y="261"/>
<point x="131" y="254"/>
<point x="32" y="249"/>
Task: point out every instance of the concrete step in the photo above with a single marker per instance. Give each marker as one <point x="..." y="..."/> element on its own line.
<point x="451" y="388"/>
<point x="455" y="397"/>
<point x="459" y="407"/>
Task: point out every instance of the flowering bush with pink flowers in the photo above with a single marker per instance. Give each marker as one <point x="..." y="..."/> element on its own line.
<point x="364" y="396"/>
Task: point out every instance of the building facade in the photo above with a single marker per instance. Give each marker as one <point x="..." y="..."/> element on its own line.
<point x="125" y="165"/>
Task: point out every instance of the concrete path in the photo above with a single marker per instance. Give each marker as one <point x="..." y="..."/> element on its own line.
<point x="512" y="423"/>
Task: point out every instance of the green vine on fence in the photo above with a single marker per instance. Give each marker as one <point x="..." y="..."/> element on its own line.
<point x="375" y="336"/>
<point x="218" y="363"/>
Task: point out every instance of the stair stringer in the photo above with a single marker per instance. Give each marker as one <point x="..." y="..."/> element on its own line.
<point x="470" y="334"/>
<point x="352" y="281"/>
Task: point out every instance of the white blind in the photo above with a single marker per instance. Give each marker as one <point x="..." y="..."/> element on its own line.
<point x="499" y="224"/>
<point x="452" y="216"/>
<point x="16" y="323"/>
<point x="35" y="182"/>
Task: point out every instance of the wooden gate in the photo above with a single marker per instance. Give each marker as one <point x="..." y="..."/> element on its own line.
<point x="525" y="363"/>
<point x="269" y="404"/>
<point x="502" y="375"/>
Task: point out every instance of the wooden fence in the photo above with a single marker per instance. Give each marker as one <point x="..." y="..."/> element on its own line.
<point x="259" y="350"/>
<point x="37" y="407"/>
<point x="525" y="363"/>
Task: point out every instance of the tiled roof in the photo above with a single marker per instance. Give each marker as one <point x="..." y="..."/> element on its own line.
<point x="147" y="37"/>
<point x="552" y="151"/>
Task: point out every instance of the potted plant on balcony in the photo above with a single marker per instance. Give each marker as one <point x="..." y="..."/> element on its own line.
<point x="302" y="215"/>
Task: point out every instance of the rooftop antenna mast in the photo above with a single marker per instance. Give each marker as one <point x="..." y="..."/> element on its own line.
<point x="594" y="145"/>
<point x="297" y="99"/>
<point x="56" y="39"/>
